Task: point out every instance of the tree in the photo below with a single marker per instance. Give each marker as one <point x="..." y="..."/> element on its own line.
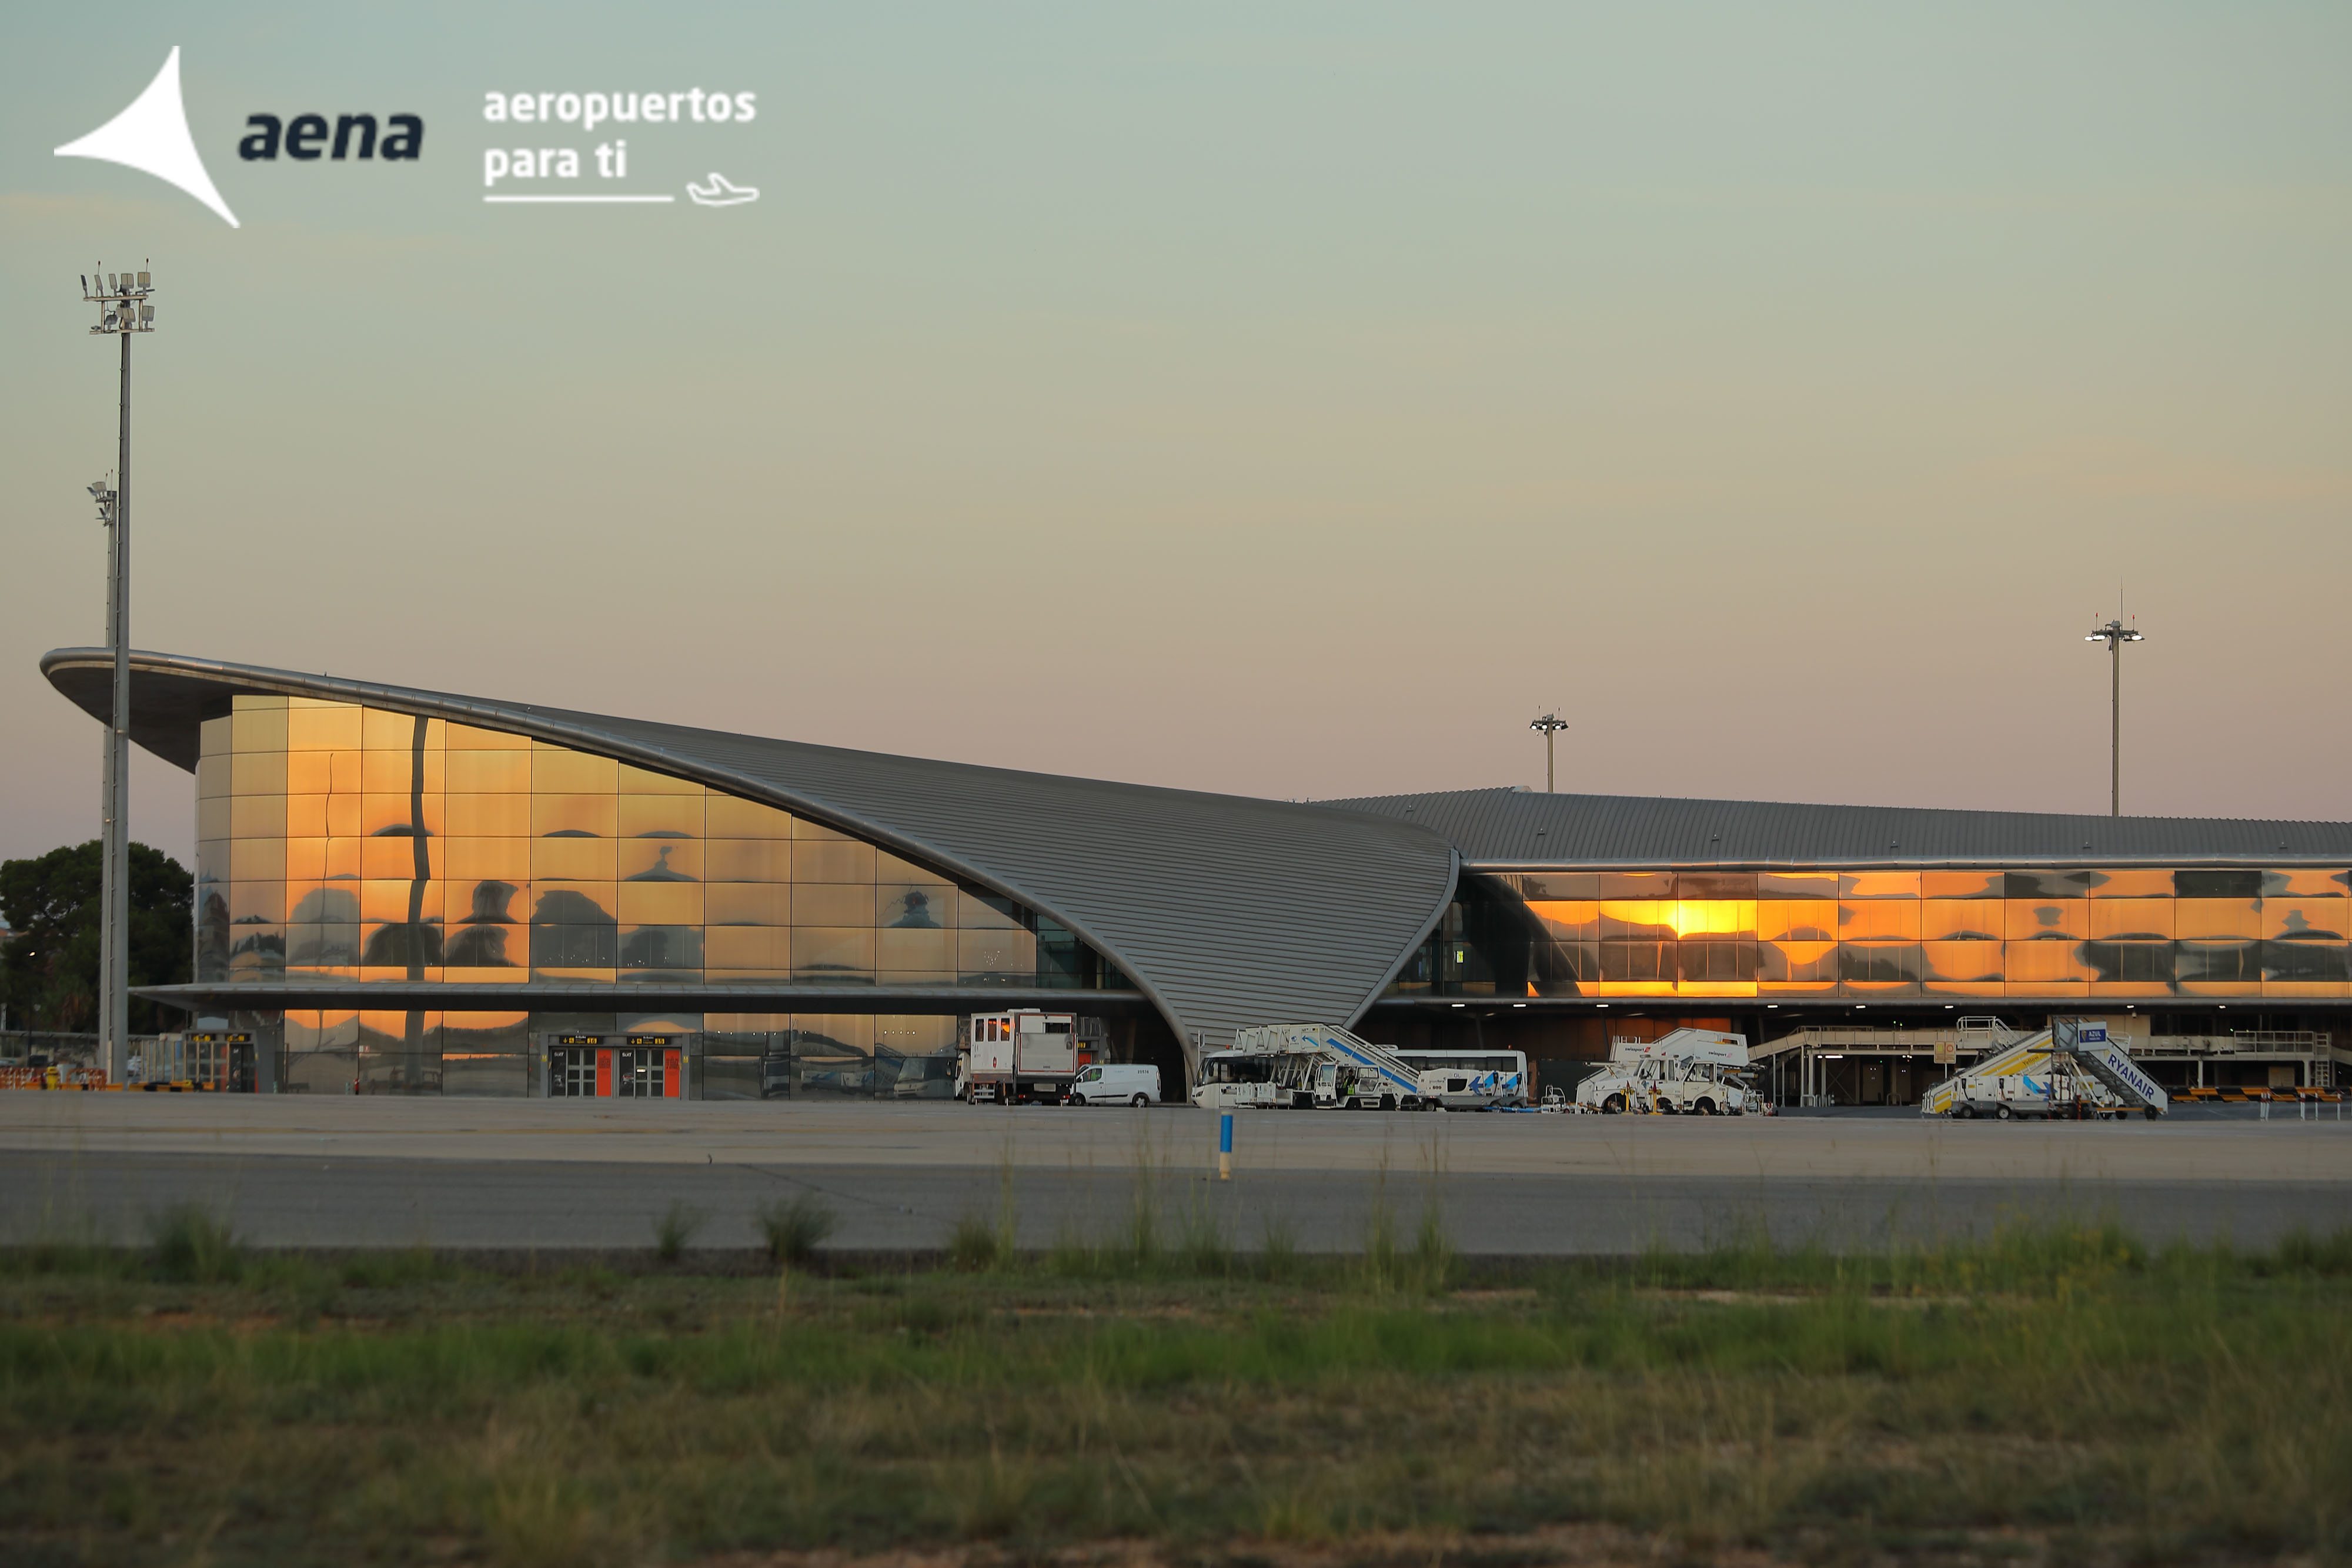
<point x="48" y="967"/>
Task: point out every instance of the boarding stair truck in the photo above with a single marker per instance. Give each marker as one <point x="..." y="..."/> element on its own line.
<point x="1698" y="1072"/>
<point x="1026" y="1054"/>
<point x="1322" y="1066"/>
<point x="1976" y="1089"/>
<point x="2112" y="1065"/>
<point x="2053" y="1072"/>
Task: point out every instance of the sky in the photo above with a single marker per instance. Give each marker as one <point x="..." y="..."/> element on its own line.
<point x="1283" y="400"/>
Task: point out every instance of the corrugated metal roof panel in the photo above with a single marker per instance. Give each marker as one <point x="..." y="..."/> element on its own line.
<point x="1517" y="827"/>
<point x="1227" y="911"/>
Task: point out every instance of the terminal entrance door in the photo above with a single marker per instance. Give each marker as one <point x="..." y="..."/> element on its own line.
<point x="616" y="1067"/>
<point x="571" y="1070"/>
<point x="638" y="1072"/>
<point x="219" y="1059"/>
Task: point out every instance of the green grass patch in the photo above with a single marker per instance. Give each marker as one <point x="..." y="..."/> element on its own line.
<point x="2071" y="1393"/>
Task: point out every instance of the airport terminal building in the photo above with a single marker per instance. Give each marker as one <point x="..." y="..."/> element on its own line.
<point x="409" y="892"/>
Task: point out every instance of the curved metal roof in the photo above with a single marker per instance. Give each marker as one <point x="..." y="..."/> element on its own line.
<point x="1517" y="828"/>
<point x="1224" y="910"/>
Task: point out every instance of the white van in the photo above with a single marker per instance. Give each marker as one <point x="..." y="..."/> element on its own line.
<point x="1115" y="1083"/>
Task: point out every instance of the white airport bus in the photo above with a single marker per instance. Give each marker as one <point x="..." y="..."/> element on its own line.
<point x="1507" y="1069"/>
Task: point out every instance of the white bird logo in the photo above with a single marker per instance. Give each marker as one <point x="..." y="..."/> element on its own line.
<point x="151" y="136"/>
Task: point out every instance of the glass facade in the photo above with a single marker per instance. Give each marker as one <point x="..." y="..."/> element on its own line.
<point x="750" y="1056"/>
<point x="341" y="842"/>
<point x="2129" y="932"/>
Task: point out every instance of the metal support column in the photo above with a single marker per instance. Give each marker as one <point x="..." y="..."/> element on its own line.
<point x="115" y="988"/>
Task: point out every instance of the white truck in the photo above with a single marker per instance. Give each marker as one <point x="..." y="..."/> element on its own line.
<point x="1690" y="1071"/>
<point x="1026" y="1055"/>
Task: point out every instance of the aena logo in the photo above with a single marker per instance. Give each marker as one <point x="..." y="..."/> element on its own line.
<point x="306" y="137"/>
<point x="151" y="136"/>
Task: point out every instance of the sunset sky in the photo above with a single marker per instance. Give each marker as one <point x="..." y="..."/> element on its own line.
<point x="1289" y="400"/>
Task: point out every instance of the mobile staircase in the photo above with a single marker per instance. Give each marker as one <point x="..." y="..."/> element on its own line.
<point x="2021" y="1055"/>
<point x="2067" y="1046"/>
<point x="2112" y="1065"/>
<point x="1360" y="1072"/>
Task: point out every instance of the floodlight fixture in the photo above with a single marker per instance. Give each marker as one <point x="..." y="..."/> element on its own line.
<point x="2114" y="634"/>
<point x="1550" y="724"/>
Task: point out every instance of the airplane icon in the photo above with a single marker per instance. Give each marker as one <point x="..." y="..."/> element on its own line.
<point x="721" y="193"/>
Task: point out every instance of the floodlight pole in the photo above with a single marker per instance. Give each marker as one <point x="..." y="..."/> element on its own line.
<point x="2114" y="634"/>
<point x="1550" y="724"/>
<point x="122" y="311"/>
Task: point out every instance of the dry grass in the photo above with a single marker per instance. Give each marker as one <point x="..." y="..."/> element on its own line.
<point x="2050" y="1397"/>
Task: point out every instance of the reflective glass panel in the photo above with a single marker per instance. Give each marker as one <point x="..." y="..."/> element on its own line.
<point x="2132" y="919"/>
<point x="918" y="906"/>
<point x="486" y="772"/>
<point x="2306" y="919"/>
<point x="1890" y="919"/>
<point x="575" y="816"/>
<point x="840" y="861"/>
<point x="661" y="903"/>
<point x="746" y="947"/>
<point x="670" y="815"/>
<point x="748" y="903"/>
<point x="2037" y="963"/>
<point x="2131" y="884"/>
<point x="1977" y="961"/>
<point x="1569" y="920"/>
<point x="1577" y="885"/>
<point x="1796" y="920"/>
<point x="660" y="860"/>
<point x="2217" y="919"/>
<point x="2305" y="883"/>
<point x="828" y="950"/>
<point x="2047" y="921"/>
<point x="748" y="860"/>
<point x="1878" y="884"/>
<point x="2040" y="885"/>
<point x="554" y="771"/>
<point x="487" y="816"/>
<point x="1628" y="919"/>
<point x="729" y="818"/>
<point x="1962" y="919"/>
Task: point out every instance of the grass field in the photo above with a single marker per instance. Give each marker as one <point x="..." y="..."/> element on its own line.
<point x="2043" y="1398"/>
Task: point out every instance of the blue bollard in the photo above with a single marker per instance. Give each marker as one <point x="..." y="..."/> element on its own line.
<point x="1226" y="1146"/>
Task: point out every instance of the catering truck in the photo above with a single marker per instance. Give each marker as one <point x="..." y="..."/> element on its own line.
<point x="1026" y="1055"/>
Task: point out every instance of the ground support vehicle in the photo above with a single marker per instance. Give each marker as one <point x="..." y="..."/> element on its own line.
<point x="1690" y="1071"/>
<point x="1027" y="1055"/>
<point x="1321" y="1066"/>
<point x="1235" y="1079"/>
<point x="2055" y="1093"/>
<point x="1510" y="1066"/>
<point x="1115" y="1083"/>
<point x="2069" y="1071"/>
